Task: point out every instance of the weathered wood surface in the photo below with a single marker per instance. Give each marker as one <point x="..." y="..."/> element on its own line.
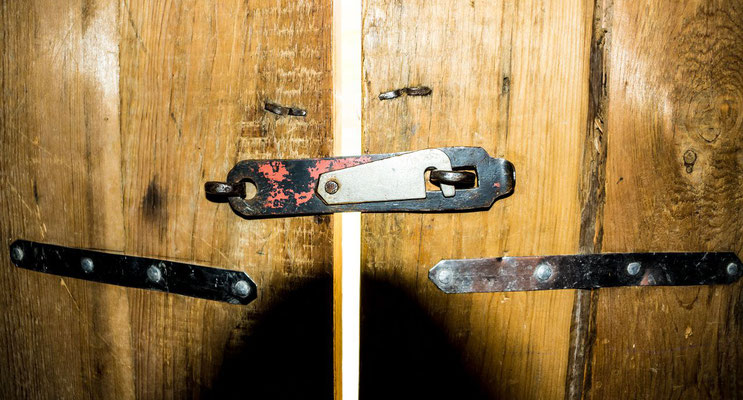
<point x="510" y="77"/>
<point x="600" y="106"/>
<point x="112" y="115"/>
<point x="673" y="134"/>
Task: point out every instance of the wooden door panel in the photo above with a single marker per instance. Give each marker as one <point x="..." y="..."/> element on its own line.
<point x="673" y="133"/>
<point x="510" y="77"/>
<point x="113" y="116"/>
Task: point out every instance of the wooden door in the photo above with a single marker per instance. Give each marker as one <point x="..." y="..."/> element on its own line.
<point x="624" y="122"/>
<point x="112" y="116"/>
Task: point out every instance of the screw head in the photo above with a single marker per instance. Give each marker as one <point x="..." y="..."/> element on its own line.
<point x="16" y="253"/>
<point x="444" y="276"/>
<point x="732" y="269"/>
<point x="87" y="265"/>
<point x="633" y="268"/>
<point x="154" y="273"/>
<point x="331" y="187"/>
<point x="241" y="288"/>
<point x="543" y="272"/>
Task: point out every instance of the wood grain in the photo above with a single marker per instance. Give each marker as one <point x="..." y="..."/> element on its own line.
<point x="113" y="115"/>
<point x="510" y="77"/>
<point x="673" y="176"/>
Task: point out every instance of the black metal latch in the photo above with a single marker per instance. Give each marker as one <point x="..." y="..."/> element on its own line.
<point x="230" y="286"/>
<point x="585" y="271"/>
<point x="467" y="178"/>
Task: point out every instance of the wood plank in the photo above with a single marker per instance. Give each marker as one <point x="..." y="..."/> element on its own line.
<point x="673" y="177"/>
<point x="113" y="116"/>
<point x="511" y="77"/>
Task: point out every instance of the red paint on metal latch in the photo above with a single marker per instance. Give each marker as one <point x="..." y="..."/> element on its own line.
<point x="322" y="166"/>
<point x="302" y="197"/>
<point x="274" y="170"/>
<point x="276" y="198"/>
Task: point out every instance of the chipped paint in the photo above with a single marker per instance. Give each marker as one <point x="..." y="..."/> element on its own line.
<point x="274" y="170"/>
<point x="303" y="197"/>
<point x="276" y="198"/>
<point x="323" y="166"/>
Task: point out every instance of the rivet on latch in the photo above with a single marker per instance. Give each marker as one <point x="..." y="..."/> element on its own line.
<point x="331" y="187"/>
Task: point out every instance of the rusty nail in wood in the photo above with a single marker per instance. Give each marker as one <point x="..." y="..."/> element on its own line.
<point x="690" y="157"/>
<point x="281" y="110"/>
<point x="418" y="91"/>
<point x="410" y="91"/>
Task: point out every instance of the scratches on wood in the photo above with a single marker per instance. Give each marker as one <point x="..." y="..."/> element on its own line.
<point x="112" y="115"/>
<point x="675" y="85"/>
<point x="592" y="189"/>
<point x="592" y="194"/>
<point x="510" y="77"/>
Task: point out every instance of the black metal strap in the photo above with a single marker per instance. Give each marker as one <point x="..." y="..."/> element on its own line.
<point x="585" y="271"/>
<point x="230" y="286"/>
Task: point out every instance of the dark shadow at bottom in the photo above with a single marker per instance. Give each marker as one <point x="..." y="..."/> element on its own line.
<point x="288" y="352"/>
<point x="404" y="354"/>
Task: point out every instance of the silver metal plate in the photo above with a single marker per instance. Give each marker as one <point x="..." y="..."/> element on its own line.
<point x="585" y="271"/>
<point x="396" y="178"/>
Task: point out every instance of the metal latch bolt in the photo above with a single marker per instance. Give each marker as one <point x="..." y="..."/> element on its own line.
<point x="467" y="177"/>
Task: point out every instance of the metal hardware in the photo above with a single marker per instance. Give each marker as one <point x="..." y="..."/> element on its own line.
<point x="16" y="253"/>
<point x="633" y="268"/>
<point x="732" y="269"/>
<point x="87" y="265"/>
<point x="370" y="183"/>
<point x="241" y="289"/>
<point x="331" y="187"/>
<point x="458" y="179"/>
<point x="230" y="286"/>
<point x="281" y="110"/>
<point x="224" y="189"/>
<point x="585" y="271"/>
<point x="154" y="273"/>
<point x="543" y="272"/>
<point x="401" y="179"/>
<point x="410" y="91"/>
